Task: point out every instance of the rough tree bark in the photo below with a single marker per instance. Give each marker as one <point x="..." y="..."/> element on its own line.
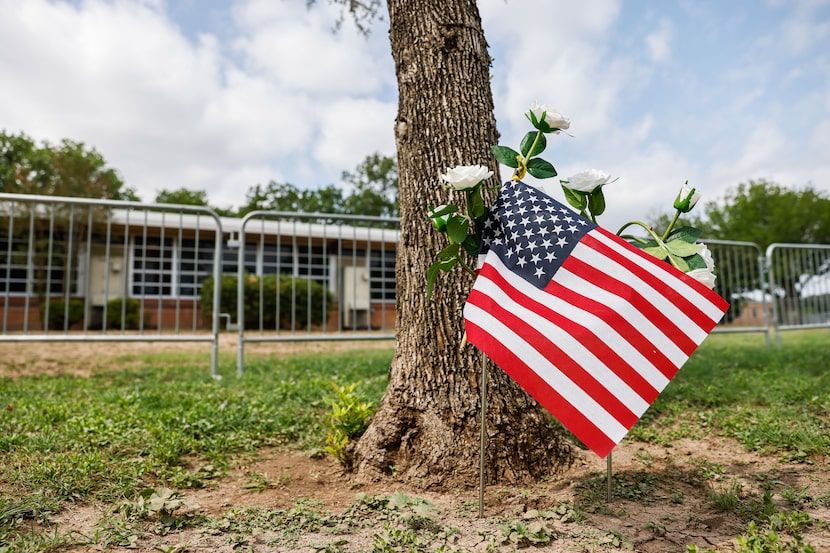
<point x="427" y="426"/>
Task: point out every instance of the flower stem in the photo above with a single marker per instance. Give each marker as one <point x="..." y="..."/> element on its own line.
<point x="660" y="241"/>
<point x="466" y="267"/>
<point x="521" y="170"/>
<point x="671" y="225"/>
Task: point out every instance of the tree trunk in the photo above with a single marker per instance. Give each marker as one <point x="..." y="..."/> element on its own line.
<point x="426" y="429"/>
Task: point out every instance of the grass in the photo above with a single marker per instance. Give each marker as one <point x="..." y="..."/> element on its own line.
<point x="162" y="423"/>
<point x="109" y="437"/>
<point x="772" y="400"/>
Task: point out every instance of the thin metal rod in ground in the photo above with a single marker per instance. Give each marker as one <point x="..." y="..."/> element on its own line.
<point x="483" y="445"/>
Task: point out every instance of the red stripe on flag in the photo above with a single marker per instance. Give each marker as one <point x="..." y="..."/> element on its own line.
<point x="717" y="302"/>
<point x="701" y="319"/>
<point x="571" y="370"/>
<point x="586" y="337"/>
<point x="623" y="290"/>
<point x="615" y="320"/>
<point x="570" y="416"/>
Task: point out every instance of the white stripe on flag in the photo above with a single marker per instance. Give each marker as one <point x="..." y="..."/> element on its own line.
<point x="654" y="334"/>
<point x="655" y="297"/>
<point x="607" y="333"/>
<point x="702" y="302"/>
<point x="572" y="393"/>
<point x="564" y="341"/>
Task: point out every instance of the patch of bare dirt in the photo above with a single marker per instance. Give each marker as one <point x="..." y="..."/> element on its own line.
<point x="660" y="503"/>
<point x="82" y="358"/>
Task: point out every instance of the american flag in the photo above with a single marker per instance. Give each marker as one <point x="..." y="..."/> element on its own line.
<point x="590" y="326"/>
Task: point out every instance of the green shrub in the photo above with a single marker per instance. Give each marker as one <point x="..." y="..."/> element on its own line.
<point x="131" y="314"/>
<point x="299" y="303"/>
<point x="58" y="313"/>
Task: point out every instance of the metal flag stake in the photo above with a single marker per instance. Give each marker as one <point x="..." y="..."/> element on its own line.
<point x="609" y="477"/>
<point x="483" y="445"/>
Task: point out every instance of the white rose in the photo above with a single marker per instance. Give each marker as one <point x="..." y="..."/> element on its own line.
<point x="704" y="276"/>
<point x="587" y="181"/>
<point x="686" y="199"/>
<point x="552" y="116"/>
<point x="707" y="256"/>
<point x="463" y="177"/>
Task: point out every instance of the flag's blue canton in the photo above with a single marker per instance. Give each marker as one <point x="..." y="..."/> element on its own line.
<point x="531" y="232"/>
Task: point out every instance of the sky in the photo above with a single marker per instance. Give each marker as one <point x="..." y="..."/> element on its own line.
<point x="221" y="95"/>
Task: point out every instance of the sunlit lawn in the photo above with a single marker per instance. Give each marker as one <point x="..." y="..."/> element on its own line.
<point x="165" y="422"/>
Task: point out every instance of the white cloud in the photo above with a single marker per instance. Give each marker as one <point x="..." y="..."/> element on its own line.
<point x="559" y="59"/>
<point x="659" y="41"/>
<point x="258" y="119"/>
<point x="169" y="112"/>
<point x="805" y="27"/>
<point x="352" y="131"/>
<point x="295" y="47"/>
<point x="273" y="93"/>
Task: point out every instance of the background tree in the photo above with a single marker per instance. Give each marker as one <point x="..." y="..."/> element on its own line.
<point x="67" y="169"/>
<point x="79" y="171"/>
<point x="427" y="425"/>
<point x="182" y="196"/>
<point x="285" y="196"/>
<point x="374" y="187"/>
<point x="764" y="213"/>
<point x="23" y="166"/>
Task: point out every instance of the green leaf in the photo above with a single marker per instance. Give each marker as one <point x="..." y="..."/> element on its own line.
<point x="457" y="228"/>
<point x="681" y="248"/>
<point x="471" y="245"/>
<point x="527" y="142"/>
<point x="399" y="501"/>
<point x="540" y="168"/>
<point x="657" y="251"/>
<point x="423" y="509"/>
<point x="687" y="234"/>
<point x="680" y="263"/>
<point x="596" y="202"/>
<point x="695" y="262"/>
<point x="451" y="208"/>
<point x="506" y="156"/>
<point x="432" y="275"/>
<point x="449" y="252"/>
<point x="475" y="203"/>
<point x="578" y="200"/>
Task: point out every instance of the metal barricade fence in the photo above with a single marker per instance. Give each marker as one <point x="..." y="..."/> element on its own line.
<point x="799" y="276"/>
<point x="314" y="276"/>
<point x="77" y="269"/>
<point x="740" y="280"/>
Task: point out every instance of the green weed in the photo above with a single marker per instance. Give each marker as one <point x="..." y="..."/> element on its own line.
<point x="726" y="498"/>
<point x="346" y="420"/>
<point x="780" y="534"/>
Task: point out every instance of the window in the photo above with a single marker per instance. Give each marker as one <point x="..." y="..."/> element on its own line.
<point x="195" y="264"/>
<point x="382" y="275"/>
<point x="152" y="266"/>
<point x="312" y="263"/>
<point x="31" y="265"/>
<point x="230" y="259"/>
<point x="277" y="259"/>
